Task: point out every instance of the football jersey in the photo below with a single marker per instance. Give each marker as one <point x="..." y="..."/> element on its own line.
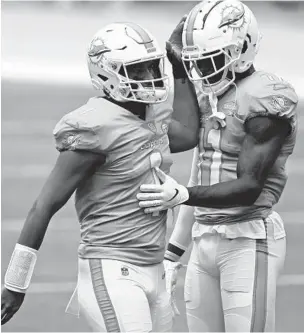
<point x="112" y="224"/>
<point x="260" y="94"/>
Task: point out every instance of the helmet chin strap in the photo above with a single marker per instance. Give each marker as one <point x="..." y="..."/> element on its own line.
<point x="217" y="118"/>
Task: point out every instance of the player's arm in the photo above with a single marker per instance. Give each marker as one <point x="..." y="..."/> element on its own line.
<point x="184" y="127"/>
<point x="262" y="144"/>
<point x="180" y="238"/>
<point x="71" y="168"/>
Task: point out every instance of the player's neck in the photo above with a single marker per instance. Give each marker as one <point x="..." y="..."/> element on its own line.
<point x="238" y="77"/>
<point x="138" y="109"/>
<point x="241" y="76"/>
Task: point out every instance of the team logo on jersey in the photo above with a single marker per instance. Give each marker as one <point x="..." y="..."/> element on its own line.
<point x="152" y="127"/>
<point x="165" y="128"/>
<point x="124" y="271"/>
<point x="159" y="138"/>
<point x="230" y="108"/>
<point x="71" y="141"/>
<point x="281" y="103"/>
<point x="233" y="17"/>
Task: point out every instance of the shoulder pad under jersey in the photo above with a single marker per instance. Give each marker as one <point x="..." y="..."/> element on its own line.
<point x="269" y="95"/>
<point x="87" y="128"/>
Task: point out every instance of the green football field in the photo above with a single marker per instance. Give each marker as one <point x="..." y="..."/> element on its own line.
<point x="28" y="117"/>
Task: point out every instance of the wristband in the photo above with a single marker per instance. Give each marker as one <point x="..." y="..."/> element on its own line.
<point x="174" y="252"/>
<point x="20" y="269"/>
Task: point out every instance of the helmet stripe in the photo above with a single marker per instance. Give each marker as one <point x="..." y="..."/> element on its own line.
<point x="190" y="25"/>
<point x="192" y="18"/>
<point x="146" y="39"/>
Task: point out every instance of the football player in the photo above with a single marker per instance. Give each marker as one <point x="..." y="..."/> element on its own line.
<point x="247" y="131"/>
<point x="108" y="147"/>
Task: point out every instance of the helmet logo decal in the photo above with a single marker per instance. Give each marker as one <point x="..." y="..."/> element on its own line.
<point x="233" y="17"/>
<point x="97" y="48"/>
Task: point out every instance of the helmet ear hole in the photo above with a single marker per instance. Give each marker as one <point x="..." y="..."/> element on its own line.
<point x="245" y="47"/>
<point x="102" y="77"/>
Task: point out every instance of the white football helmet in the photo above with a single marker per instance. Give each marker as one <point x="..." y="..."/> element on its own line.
<point x="115" y="51"/>
<point x="220" y="38"/>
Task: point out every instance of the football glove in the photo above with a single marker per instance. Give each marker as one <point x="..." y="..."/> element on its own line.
<point x="174" y="49"/>
<point x="156" y="197"/>
<point x="171" y="270"/>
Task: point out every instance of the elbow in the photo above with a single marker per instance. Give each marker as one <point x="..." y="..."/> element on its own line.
<point x="190" y="144"/>
<point x="193" y="140"/>
<point x="252" y="190"/>
<point x="182" y="147"/>
<point x="189" y="141"/>
<point x="190" y="135"/>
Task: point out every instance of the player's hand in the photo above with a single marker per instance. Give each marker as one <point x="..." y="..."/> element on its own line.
<point x="10" y="304"/>
<point x="171" y="270"/>
<point x="174" y="48"/>
<point x="156" y="197"/>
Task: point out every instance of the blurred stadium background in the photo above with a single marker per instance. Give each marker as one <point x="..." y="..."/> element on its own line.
<point x="44" y="76"/>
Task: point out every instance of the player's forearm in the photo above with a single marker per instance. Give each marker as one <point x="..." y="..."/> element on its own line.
<point x="181" y="235"/>
<point x="239" y="192"/>
<point x="36" y="224"/>
<point x="24" y="256"/>
<point x="183" y="227"/>
<point x="186" y="108"/>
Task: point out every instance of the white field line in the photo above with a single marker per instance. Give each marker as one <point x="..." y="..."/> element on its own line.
<point x="68" y="287"/>
<point x="60" y="75"/>
<point x="76" y="74"/>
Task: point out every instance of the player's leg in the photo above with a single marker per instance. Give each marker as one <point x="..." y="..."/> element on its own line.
<point x="160" y="306"/>
<point x="249" y="273"/>
<point x="275" y="250"/>
<point x="202" y="288"/>
<point x="110" y="297"/>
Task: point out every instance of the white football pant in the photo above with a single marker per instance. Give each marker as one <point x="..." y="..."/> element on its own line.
<point x="115" y="296"/>
<point x="231" y="283"/>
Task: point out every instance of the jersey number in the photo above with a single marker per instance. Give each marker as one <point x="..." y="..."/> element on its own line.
<point x="212" y="139"/>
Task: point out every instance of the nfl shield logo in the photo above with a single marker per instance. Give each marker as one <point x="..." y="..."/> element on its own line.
<point x="124" y="271"/>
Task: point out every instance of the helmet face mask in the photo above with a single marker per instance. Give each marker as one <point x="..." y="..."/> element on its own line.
<point x="211" y="69"/>
<point x="220" y="38"/>
<point x="143" y="81"/>
<point x="128" y="64"/>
